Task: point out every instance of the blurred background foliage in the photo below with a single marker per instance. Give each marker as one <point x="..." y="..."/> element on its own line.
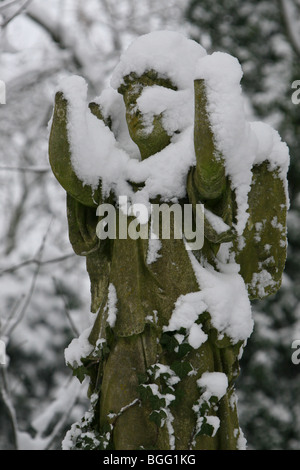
<point x="44" y="290"/>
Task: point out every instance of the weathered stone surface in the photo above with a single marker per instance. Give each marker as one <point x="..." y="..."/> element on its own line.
<point x="128" y="410"/>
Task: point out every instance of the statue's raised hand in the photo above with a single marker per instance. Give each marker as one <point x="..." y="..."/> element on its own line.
<point x="60" y="154"/>
<point x="210" y="171"/>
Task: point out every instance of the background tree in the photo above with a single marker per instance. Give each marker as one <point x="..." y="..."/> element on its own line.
<point x="265" y="37"/>
<point x="45" y="295"/>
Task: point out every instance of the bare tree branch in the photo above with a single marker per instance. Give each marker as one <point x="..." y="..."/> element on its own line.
<point x="15" y="218"/>
<point x="286" y="8"/>
<point x="12" y="313"/>
<point x="61" y="422"/>
<point x="37" y="261"/>
<point x="55" y="32"/>
<point x="18" y="316"/>
<point x="16" y="13"/>
<point x="114" y="31"/>
<point x="5" y="395"/>
<point x="24" y="169"/>
<point x="8" y="4"/>
<point x="67" y="311"/>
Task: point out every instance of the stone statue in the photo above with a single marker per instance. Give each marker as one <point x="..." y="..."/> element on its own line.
<point x="162" y="353"/>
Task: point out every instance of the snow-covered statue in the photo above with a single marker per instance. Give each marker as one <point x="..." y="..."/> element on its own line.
<point x="171" y="318"/>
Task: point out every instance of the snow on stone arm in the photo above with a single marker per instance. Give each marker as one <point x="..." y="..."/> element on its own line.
<point x="61" y="148"/>
<point x="210" y="172"/>
<point x="218" y="76"/>
<point x="222" y="175"/>
<point x="256" y="163"/>
<point x="261" y="250"/>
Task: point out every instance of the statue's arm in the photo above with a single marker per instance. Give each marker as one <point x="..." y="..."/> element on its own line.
<point x="60" y="155"/>
<point x="82" y="200"/>
<point x="209" y="175"/>
<point x="207" y="182"/>
<point x="261" y="250"/>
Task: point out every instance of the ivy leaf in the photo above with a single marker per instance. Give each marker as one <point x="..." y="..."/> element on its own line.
<point x="204" y="408"/>
<point x="142" y="378"/>
<point x="206" y="429"/>
<point x="156" y="403"/>
<point x="214" y="400"/>
<point x="80" y="373"/>
<point x="183" y="349"/>
<point x="181" y="368"/>
<point x="158" y="417"/>
<point x="147" y="395"/>
<point x="169" y="342"/>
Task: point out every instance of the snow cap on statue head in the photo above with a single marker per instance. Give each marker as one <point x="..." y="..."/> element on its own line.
<point x="170" y="54"/>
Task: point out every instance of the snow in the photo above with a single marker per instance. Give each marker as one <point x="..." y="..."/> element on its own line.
<point x="154" y="245"/>
<point x="170" y="53"/>
<point x="177" y="107"/>
<point x="216" y="293"/>
<point x="78" y="348"/>
<point x="96" y="154"/>
<point x="240" y="143"/>
<point x="152" y="318"/>
<point x="216" y="222"/>
<point x="213" y="421"/>
<point x="222" y="74"/>
<point x="63" y="403"/>
<point x="112" y="305"/>
<point x="113" y="107"/>
<point x="241" y="442"/>
<point x="168" y="397"/>
<point x="262" y="281"/>
<point x="77" y="431"/>
<point x="100" y="153"/>
<point x="218" y="290"/>
<point x="187" y="309"/>
<point x="92" y="143"/>
<point x="153" y="250"/>
<point x="110" y="155"/>
<point x="162" y="369"/>
<point x="270" y="144"/>
<point x="214" y="384"/>
<point x="196" y="336"/>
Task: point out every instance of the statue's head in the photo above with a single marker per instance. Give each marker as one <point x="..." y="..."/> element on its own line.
<point x="150" y="137"/>
<point x="162" y="58"/>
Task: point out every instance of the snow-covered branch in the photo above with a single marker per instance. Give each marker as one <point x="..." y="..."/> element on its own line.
<point x="58" y="411"/>
<point x="60" y="408"/>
